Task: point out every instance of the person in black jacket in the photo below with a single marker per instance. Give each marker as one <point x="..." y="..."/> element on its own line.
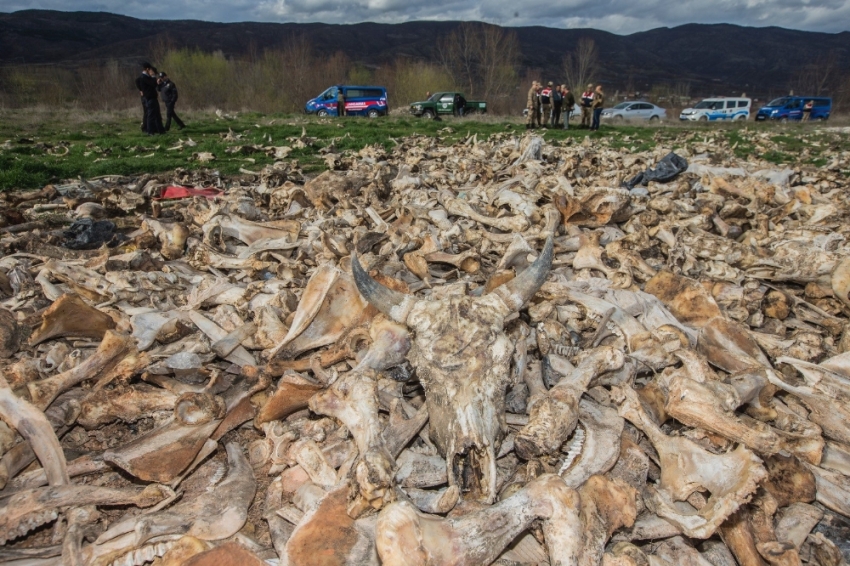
<point x="168" y="92"/>
<point x="146" y="83"/>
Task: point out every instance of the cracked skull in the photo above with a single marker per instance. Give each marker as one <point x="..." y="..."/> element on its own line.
<point x="462" y="356"/>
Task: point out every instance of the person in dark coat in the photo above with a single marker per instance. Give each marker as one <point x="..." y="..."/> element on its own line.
<point x="140" y="86"/>
<point x="168" y="91"/>
<point x="146" y="83"/>
<point x="557" y="103"/>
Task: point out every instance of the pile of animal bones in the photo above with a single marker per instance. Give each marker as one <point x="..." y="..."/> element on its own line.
<point x="486" y="352"/>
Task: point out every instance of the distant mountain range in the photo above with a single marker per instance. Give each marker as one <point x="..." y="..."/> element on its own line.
<point x="714" y="59"/>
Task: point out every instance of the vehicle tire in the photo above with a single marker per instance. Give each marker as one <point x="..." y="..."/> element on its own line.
<point x="703" y="118"/>
<point x="372" y="113"/>
<point x="428" y="114"/>
<point x="322" y="113"/>
<point x="740" y="117"/>
<point x="783" y="120"/>
<point x="470" y="111"/>
<point x="619" y="119"/>
<point x="654" y="118"/>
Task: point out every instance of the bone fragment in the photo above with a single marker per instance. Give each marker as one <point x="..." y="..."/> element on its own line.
<point x="69" y="315"/>
<point x="406" y="536"/>
<point x="34" y="427"/>
<point x="554" y="416"/>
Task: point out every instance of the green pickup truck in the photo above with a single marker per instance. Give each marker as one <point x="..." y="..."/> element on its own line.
<point x="444" y="103"/>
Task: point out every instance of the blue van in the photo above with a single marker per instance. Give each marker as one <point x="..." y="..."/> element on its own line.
<point x="791" y="108"/>
<point x="368" y="101"/>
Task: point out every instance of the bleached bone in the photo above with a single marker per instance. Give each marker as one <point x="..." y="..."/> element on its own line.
<point x="239" y="355"/>
<point x="71" y="316"/>
<point x="730" y="346"/>
<point x="78" y="520"/>
<point x="553" y="415"/>
<point x="82" y="280"/>
<point x="825" y="394"/>
<point x="329" y="306"/>
<point x="250" y="232"/>
<point x="462" y="357"/>
<point x="840" y="281"/>
<point x="203" y="255"/>
<point x="589" y="255"/>
<point x="390" y="345"/>
<point x="10" y="334"/>
<point x="677" y="552"/>
<point x="115" y="356"/>
<point x="795" y="522"/>
<point x="696" y="405"/>
<point x="836" y="457"/>
<point x="627" y="554"/>
<point x="312" y="297"/>
<point x="686" y="467"/>
<point x="33" y="426"/>
<point x="128" y="404"/>
<point x="27" y="510"/>
<point x="606" y="505"/>
<point x="268" y="244"/>
<point x="516" y="254"/>
<point x="434" y="501"/>
<point x="407" y="537"/>
<point x="602" y="428"/>
<point x="163" y="453"/>
<point x="832" y="489"/>
<point x="50" y="290"/>
<point x="171" y="235"/>
<point x="292" y="394"/>
<point x="420" y="470"/>
<point x="353" y="400"/>
<point x="346" y="542"/>
<point x="311" y="459"/>
<point x="466" y="261"/>
<point x="641" y="343"/>
<point x="800" y="436"/>
<point x="215" y="514"/>
<point x="510" y="224"/>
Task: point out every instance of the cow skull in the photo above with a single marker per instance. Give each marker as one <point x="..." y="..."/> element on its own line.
<point x="462" y="356"/>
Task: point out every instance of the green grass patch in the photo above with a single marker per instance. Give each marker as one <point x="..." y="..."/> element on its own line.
<point x="33" y="153"/>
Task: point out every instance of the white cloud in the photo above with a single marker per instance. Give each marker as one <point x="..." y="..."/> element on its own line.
<point x="617" y="16"/>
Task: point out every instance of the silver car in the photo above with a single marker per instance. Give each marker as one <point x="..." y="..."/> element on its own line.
<point x="635" y="111"/>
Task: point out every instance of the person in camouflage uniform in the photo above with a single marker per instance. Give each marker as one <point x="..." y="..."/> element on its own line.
<point x="532" y="120"/>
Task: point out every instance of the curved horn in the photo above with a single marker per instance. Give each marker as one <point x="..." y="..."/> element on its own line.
<point x="392" y="303"/>
<point x="520" y="289"/>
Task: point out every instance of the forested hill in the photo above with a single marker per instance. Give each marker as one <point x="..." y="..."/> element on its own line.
<point x="711" y="57"/>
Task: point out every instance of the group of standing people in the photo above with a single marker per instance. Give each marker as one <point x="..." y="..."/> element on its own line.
<point x="547" y="104"/>
<point x="152" y="85"/>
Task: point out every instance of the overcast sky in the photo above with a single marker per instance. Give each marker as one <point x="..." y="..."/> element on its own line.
<point x="618" y="16"/>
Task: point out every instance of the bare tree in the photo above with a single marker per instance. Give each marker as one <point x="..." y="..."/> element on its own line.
<point x="817" y="77"/>
<point x="482" y="59"/>
<point x="579" y="66"/>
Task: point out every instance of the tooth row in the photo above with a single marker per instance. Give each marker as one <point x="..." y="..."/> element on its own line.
<point x="576" y="444"/>
<point x="28" y="523"/>
<point x="142" y="555"/>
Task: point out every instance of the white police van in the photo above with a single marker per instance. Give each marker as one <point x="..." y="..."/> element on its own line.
<point x="722" y="108"/>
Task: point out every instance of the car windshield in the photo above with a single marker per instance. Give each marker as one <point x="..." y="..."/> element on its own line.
<point x="712" y="104"/>
<point x="779" y="102"/>
<point x="622" y="106"/>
